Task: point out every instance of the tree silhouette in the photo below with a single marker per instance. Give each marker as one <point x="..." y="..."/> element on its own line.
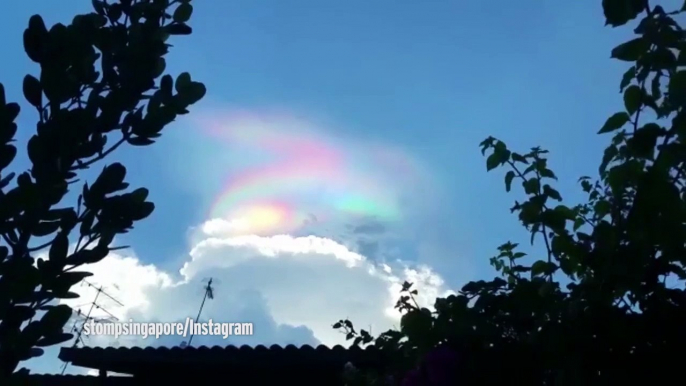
<point x="97" y="89"/>
<point x="605" y="304"/>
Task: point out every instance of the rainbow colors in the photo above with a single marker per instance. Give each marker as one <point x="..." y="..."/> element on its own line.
<point x="265" y="217"/>
<point x="290" y="172"/>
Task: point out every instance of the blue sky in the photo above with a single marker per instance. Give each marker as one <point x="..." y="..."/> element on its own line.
<point x="430" y="79"/>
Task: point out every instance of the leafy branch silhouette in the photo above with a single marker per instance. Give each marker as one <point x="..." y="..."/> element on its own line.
<point x="606" y="302"/>
<point x="101" y="85"/>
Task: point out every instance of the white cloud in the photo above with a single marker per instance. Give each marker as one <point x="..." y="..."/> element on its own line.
<point x="294" y="272"/>
<point x="126" y="279"/>
<point x="221" y="226"/>
<point x="292" y="288"/>
<point x="95" y="373"/>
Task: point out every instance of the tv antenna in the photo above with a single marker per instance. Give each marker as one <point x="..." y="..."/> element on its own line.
<point x="82" y="318"/>
<point x="209" y="294"/>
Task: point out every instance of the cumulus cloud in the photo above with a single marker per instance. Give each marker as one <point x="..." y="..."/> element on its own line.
<point x="220" y="226"/>
<point x="338" y="243"/>
<point x="291" y="287"/>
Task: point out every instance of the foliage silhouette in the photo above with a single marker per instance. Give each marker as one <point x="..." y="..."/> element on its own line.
<point x="81" y="108"/>
<point x="606" y="302"/>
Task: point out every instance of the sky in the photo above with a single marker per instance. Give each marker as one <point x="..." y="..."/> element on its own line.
<point x="336" y="155"/>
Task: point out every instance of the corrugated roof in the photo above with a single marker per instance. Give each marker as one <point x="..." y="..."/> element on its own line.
<point x="132" y="360"/>
<point x="68" y="380"/>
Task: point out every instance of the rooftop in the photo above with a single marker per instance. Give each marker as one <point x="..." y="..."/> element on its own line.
<point x="275" y="360"/>
<point x="72" y="380"/>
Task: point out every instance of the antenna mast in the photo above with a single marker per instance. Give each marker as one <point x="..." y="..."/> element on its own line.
<point x="209" y="294"/>
<point x="85" y="318"/>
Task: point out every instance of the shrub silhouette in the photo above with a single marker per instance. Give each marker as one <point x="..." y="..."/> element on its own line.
<point x="605" y="304"/>
<point x="97" y="89"/>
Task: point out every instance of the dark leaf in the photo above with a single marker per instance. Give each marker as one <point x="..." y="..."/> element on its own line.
<point x="35" y="38"/>
<point x="66" y="295"/>
<point x="31" y="333"/>
<point x="406" y="286"/>
<point x="615" y="122"/>
<point x="643" y="142"/>
<point x="602" y="208"/>
<point x="632" y="50"/>
<point x="663" y="59"/>
<point x="183" y="81"/>
<point x="677" y="88"/>
<point x="114" y="12"/>
<point x="87" y="223"/>
<point x="566" y="212"/>
<point x="542" y="268"/>
<point x="58" y="213"/>
<point x="415" y="324"/>
<point x="99" y="7"/>
<point x="508" y="180"/>
<point x="7" y="154"/>
<point x="139" y="195"/>
<point x="628" y="76"/>
<point x="111" y="178"/>
<point x="11" y="111"/>
<point x="492" y="162"/>
<point x="32" y="352"/>
<point x="88" y="256"/>
<point x="532" y="185"/>
<point x="144" y="210"/>
<point x="619" y="12"/>
<point x="23" y="312"/>
<point x="52" y="340"/>
<point x="195" y="92"/>
<point x="166" y="85"/>
<point x="139" y="141"/>
<point x="4" y="252"/>
<point x="160" y="66"/>
<point x="69" y="220"/>
<point x="632" y="99"/>
<point x="547" y="173"/>
<point x="59" y="248"/>
<point x="655" y="87"/>
<point x="500" y="156"/>
<point x="69" y="279"/>
<point x="608" y="156"/>
<point x="7" y="132"/>
<point x="471" y="287"/>
<point x="552" y="193"/>
<point x="178" y="29"/>
<point x="519" y="158"/>
<point x="33" y="91"/>
<point x="45" y="228"/>
<point x="554" y="219"/>
<point x="55" y="318"/>
<point x="183" y="13"/>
